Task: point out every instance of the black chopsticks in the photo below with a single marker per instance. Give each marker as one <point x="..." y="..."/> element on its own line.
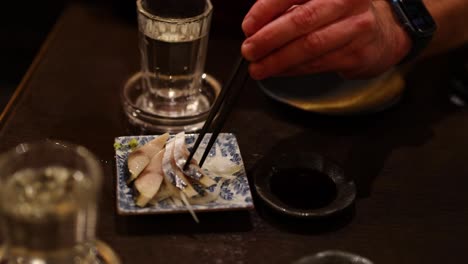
<point x="222" y="107"/>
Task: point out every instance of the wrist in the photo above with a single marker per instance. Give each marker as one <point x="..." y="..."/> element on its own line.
<point x="399" y="41"/>
<point x="403" y="41"/>
<point x="418" y="23"/>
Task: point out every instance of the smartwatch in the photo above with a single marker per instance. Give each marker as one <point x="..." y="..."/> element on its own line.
<point x="418" y="23"/>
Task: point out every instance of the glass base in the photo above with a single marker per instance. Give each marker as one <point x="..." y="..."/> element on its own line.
<point x="100" y="254"/>
<point x="144" y="111"/>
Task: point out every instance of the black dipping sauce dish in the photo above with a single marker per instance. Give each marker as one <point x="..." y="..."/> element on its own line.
<point x="303" y="184"/>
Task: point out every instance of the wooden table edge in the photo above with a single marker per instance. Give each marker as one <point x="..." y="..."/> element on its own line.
<point x="9" y="108"/>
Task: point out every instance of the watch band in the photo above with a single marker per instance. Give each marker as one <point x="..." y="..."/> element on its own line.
<point x="417" y="46"/>
<point x="417" y="22"/>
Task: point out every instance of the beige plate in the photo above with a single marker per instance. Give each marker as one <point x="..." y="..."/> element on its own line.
<point x="331" y="94"/>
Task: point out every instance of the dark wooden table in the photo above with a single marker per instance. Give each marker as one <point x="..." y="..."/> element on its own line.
<point x="410" y="163"/>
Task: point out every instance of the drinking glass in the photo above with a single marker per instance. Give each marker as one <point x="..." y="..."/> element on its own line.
<point x="333" y="257"/>
<point x="171" y="92"/>
<point x="48" y="213"/>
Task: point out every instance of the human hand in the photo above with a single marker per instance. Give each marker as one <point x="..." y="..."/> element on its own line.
<point x="356" y="38"/>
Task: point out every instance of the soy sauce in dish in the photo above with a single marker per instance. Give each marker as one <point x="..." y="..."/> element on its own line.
<point x="302" y="188"/>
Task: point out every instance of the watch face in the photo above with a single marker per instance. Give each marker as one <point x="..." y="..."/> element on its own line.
<point x="418" y="16"/>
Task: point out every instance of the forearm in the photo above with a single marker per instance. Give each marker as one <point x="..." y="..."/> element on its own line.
<point x="451" y="17"/>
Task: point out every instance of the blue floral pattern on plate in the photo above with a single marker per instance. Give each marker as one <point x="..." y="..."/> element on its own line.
<point x="223" y="163"/>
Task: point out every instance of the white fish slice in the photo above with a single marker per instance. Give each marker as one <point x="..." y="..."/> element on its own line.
<point x="150" y="179"/>
<point x="193" y="171"/>
<point x="173" y="174"/>
<point x="165" y="191"/>
<point x="141" y="157"/>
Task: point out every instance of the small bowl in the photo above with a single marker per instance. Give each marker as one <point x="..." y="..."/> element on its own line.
<point x="344" y="189"/>
<point x="330" y="94"/>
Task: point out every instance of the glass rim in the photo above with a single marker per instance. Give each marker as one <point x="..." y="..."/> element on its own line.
<point x="325" y="256"/>
<point x="205" y="14"/>
<point x="91" y="161"/>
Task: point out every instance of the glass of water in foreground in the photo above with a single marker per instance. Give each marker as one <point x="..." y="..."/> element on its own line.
<point x="333" y="257"/>
<point x="48" y="193"/>
<point x="171" y="92"/>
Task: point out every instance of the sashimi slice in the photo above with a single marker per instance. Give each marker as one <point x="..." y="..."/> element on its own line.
<point x="173" y="174"/>
<point x="150" y="179"/>
<point x="165" y="191"/>
<point x="193" y="171"/>
<point x="141" y="157"/>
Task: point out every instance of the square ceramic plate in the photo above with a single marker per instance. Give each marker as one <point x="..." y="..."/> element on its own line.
<point x="223" y="163"/>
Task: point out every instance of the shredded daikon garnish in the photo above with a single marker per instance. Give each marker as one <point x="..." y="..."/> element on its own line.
<point x="189" y="207"/>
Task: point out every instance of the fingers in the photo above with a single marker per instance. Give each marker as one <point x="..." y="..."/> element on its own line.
<point x="314" y="45"/>
<point x="350" y="62"/>
<point x="298" y="22"/>
<point x="264" y="11"/>
<point x="336" y="61"/>
<point x="346" y="59"/>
